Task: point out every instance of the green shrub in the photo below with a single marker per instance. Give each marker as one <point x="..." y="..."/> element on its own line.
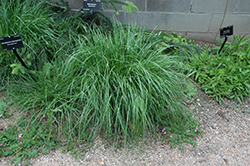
<point x="226" y="74"/>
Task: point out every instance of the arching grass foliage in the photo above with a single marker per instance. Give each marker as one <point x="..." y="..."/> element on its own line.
<point x="115" y="84"/>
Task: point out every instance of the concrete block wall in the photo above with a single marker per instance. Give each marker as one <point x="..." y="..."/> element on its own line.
<point x="197" y="19"/>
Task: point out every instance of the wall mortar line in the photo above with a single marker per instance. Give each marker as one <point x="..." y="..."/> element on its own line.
<point x="190" y="6"/>
<point x="212" y="15"/>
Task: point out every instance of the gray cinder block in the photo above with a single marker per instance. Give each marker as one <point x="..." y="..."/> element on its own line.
<point x="241" y="22"/>
<point x="213" y="6"/>
<point x="244" y="6"/>
<point x="188" y="22"/>
<point x="168" y="5"/>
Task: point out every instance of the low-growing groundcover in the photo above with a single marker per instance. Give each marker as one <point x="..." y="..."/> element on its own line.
<point x="117" y="85"/>
<point x="226" y="74"/>
<point x="26" y="142"/>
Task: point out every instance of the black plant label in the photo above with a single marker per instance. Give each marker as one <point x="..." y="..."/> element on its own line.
<point x="11" y="42"/>
<point x="226" y="31"/>
<point x="94" y="5"/>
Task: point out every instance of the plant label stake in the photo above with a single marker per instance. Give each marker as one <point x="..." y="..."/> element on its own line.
<point x="224" y="32"/>
<point x="12" y="43"/>
<point x="92" y="5"/>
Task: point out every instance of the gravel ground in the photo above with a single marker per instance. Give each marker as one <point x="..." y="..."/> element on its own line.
<point x="226" y="141"/>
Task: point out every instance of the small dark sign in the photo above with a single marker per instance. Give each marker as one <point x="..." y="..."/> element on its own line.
<point x="94" y="5"/>
<point x="226" y="31"/>
<point x="11" y="42"/>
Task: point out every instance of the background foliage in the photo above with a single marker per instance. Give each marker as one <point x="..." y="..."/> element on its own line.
<point x="226" y="74"/>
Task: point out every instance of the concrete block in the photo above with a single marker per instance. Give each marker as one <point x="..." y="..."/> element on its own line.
<point x="75" y="4"/>
<point x="112" y="15"/>
<point x="213" y="6"/>
<point x="171" y="21"/>
<point x="188" y="22"/>
<point x="139" y="3"/>
<point x="168" y="5"/>
<point x="241" y="22"/>
<point x="244" y="6"/>
<point x="150" y="20"/>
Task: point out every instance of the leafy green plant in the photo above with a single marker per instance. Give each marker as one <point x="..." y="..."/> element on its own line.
<point x="190" y="90"/>
<point x="181" y="135"/>
<point x="226" y="74"/>
<point x="175" y="38"/>
<point x="26" y="140"/>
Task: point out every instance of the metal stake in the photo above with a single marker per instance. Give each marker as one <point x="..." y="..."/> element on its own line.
<point x="91" y="18"/>
<point x="19" y="58"/>
<point x="223" y="44"/>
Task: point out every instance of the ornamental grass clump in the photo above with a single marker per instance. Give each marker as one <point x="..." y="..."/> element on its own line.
<point x="114" y="84"/>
